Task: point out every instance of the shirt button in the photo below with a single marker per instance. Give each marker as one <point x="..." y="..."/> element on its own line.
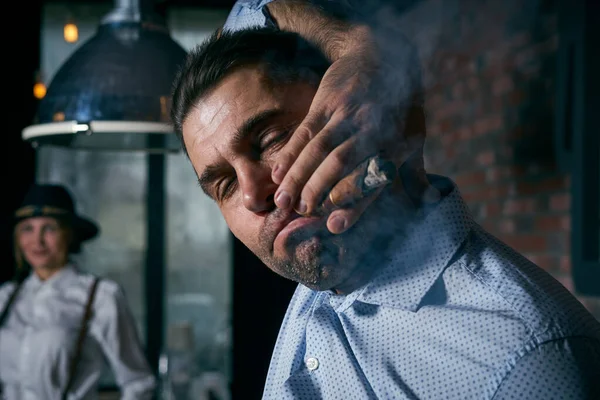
<point x="312" y="363"/>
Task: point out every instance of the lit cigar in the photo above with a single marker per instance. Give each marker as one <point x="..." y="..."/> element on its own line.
<point x="370" y="175"/>
<point x="375" y="172"/>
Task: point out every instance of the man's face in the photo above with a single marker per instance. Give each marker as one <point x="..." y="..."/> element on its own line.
<point x="233" y="136"/>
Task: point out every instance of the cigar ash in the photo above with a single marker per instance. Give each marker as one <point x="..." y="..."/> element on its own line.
<point x="379" y="173"/>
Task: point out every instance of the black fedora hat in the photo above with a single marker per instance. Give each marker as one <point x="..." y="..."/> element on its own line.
<point x="48" y="200"/>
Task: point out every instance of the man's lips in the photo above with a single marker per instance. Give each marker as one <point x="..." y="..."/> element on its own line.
<point x="293" y="224"/>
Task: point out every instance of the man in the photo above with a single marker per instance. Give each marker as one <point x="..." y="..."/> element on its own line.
<point x="414" y="300"/>
<point x="368" y="80"/>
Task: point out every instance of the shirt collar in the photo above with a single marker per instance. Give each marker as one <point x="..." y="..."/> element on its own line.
<point x="58" y="280"/>
<point x="421" y="257"/>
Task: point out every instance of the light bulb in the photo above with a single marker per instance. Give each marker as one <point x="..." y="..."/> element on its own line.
<point x="39" y="90"/>
<point x="70" y="32"/>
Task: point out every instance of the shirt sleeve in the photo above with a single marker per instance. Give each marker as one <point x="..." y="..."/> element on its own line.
<point x="562" y="369"/>
<point x="247" y="14"/>
<point x="121" y="345"/>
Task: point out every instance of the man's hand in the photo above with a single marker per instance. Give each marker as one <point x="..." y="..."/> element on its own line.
<point x="353" y="116"/>
<point x="360" y="108"/>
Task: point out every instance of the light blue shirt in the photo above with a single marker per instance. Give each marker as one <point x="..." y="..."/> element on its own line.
<point x="248" y="14"/>
<point x="453" y="314"/>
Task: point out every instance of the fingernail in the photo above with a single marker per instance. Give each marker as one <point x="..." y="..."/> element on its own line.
<point x="301" y="208"/>
<point x="276" y="174"/>
<point x="283" y="199"/>
<point x="338" y="224"/>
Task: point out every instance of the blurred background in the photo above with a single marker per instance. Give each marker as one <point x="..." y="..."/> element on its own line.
<point x="511" y="100"/>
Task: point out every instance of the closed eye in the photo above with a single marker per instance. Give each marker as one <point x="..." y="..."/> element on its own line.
<point x="273" y="141"/>
<point x="226" y="188"/>
<point x="215" y="180"/>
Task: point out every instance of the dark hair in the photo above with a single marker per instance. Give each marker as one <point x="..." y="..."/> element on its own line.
<point x="75" y="245"/>
<point x="285" y="57"/>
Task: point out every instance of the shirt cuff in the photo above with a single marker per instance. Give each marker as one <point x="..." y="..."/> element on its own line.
<point x="246" y="14"/>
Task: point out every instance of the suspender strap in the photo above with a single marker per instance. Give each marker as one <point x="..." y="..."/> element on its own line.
<point x="11" y="300"/>
<point x="6" y="311"/>
<point x="81" y="338"/>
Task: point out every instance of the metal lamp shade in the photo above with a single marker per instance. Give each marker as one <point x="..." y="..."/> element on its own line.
<point x="113" y="93"/>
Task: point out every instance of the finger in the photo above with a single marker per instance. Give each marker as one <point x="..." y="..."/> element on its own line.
<point x="341" y="220"/>
<point x="339" y="170"/>
<point x="307" y="162"/>
<point x="312" y="124"/>
<point x="350" y="189"/>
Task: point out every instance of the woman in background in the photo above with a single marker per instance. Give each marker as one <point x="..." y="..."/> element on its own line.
<point x="58" y="324"/>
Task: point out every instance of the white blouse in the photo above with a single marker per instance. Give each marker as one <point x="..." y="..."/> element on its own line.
<point x="38" y="338"/>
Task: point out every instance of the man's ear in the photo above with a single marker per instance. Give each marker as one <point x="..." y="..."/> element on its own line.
<point x="219" y="32"/>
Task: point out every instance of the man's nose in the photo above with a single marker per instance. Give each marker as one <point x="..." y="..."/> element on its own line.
<point x="258" y="190"/>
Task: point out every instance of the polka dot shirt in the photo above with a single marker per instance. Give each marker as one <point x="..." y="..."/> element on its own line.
<point x="455" y="314"/>
<point x="248" y="14"/>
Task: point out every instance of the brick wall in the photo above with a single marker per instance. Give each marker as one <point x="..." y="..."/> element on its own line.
<point x="489" y="69"/>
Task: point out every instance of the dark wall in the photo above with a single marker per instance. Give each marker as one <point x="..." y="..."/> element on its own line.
<point x="260" y="299"/>
<point x="491" y="106"/>
<point x="21" y="59"/>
